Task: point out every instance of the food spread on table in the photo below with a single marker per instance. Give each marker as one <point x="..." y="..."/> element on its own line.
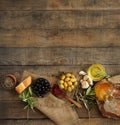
<point x="90" y="88"/>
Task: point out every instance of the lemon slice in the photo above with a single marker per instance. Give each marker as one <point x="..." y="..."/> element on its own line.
<point x="96" y="72"/>
<point x="23" y="85"/>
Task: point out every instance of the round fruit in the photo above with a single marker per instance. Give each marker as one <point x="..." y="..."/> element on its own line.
<point x="68" y="75"/>
<point x="69" y="89"/>
<point x="96" y="72"/>
<point x="68" y="82"/>
<point x="61" y="81"/>
<point x="61" y="86"/>
<point x="103" y="90"/>
<point x="75" y="83"/>
<point x="40" y="87"/>
<point x="62" y="77"/>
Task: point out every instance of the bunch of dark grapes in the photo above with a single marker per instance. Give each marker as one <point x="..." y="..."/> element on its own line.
<point x="40" y="87"/>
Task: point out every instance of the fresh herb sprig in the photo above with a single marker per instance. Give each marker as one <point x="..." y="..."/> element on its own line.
<point x="103" y="73"/>
<point x="27" y="96"/>
<point x="85" y="97"/>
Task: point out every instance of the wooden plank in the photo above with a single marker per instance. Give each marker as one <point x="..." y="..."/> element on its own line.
<point x="44" y="71"/>
<point x="59" y="56"/>
<point x="15" y="110"/>
<point x="58" y="4"/>
<point x="98" y="121"/>
<point x="19" y="20"/>
<point x="60" y="38"/>
<point x="83" y="121"/>
<point x="27" y="122"/>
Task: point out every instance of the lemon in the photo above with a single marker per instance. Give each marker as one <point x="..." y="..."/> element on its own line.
<point x="96" y="72"/>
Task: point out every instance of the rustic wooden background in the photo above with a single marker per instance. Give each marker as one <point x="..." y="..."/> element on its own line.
<point x="48" y="36"/>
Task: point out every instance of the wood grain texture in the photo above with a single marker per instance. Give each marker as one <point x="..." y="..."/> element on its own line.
<point x="15" y="110"/>
<point x="83" y="121"/>
<point x="27" y="122"/>
<point x="60" y="38"/>
<point x="18" y="20"/>
<point x="44" y="71"/>
<point x="59" y="56"/>
<point x="99" y="121"/>
<point x="52" y="36"/>
<point x="58" y="4"/>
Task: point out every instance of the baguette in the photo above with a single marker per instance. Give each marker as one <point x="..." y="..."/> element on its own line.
<point x="24" y="84"/>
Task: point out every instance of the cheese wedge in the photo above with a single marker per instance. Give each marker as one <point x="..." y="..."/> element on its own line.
<point x="23" y="85"/>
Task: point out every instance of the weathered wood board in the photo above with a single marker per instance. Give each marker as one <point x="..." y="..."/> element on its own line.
<point x="60" y="38"/>
<point x="59" y="4"/>
<point x="59" y="56"/>
<point x="51" y="36"/>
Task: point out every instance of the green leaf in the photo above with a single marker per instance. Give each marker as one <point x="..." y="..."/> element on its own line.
<point x="88" y="91"/>
<point x="24" y="100"/>
<point x="30" y="90"/>
<point x="107" y="75"/>
<point x="21" y="96"/>
<point x="92" y="92"/>
<point x="27" y="106"/>
<point x="27" y="94"/>
<point x="85" y="97"/>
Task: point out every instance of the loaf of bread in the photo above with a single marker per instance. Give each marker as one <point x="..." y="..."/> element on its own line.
<point x="24" y="84"/>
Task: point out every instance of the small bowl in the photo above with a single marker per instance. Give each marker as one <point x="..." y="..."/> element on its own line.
<point x="8" y="81"/>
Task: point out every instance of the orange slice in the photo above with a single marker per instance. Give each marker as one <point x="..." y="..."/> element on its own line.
<point x="23" y="85"/>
